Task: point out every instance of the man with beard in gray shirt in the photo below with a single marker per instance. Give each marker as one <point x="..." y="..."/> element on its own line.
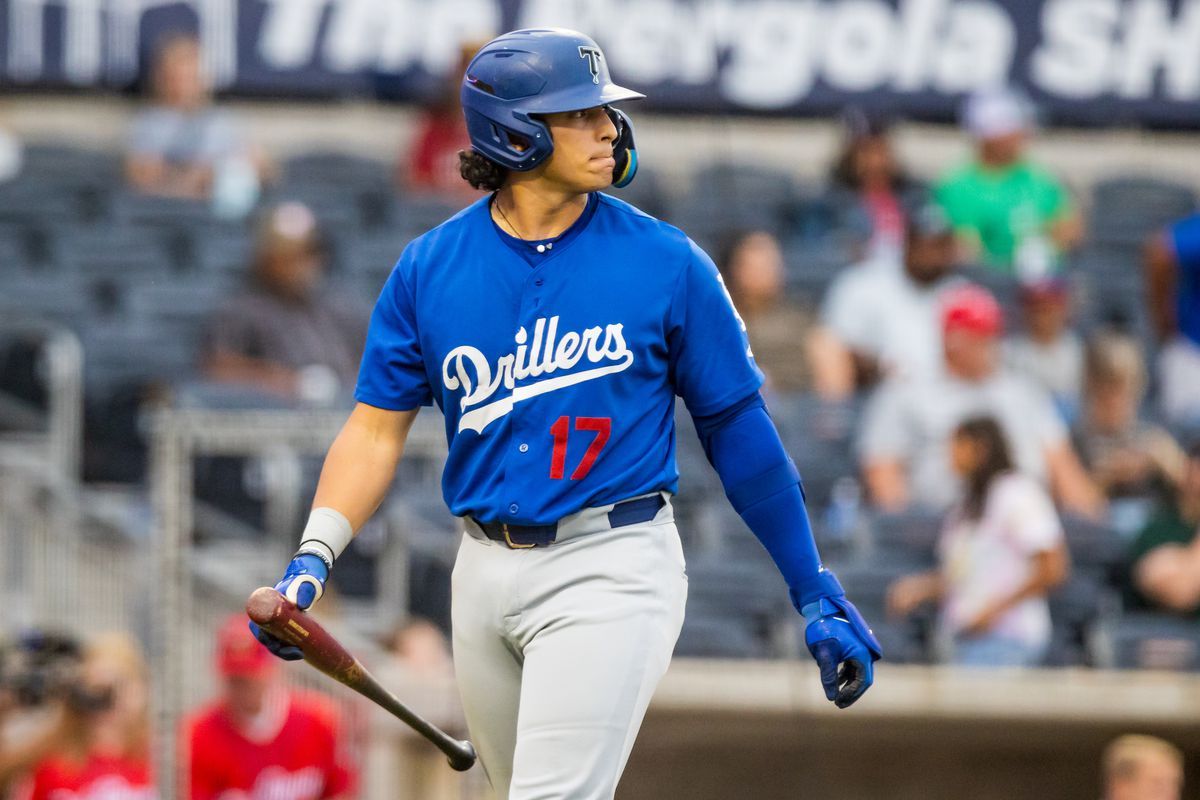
<point x="285" y="334"/>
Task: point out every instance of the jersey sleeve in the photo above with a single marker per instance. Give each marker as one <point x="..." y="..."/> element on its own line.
<point x="1184" y="237"/>
<point x="711" y="365"/>
<point x="392" y="374"/>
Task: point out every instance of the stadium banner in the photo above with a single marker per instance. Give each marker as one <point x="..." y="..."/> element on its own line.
<point x="1108" y="62"/>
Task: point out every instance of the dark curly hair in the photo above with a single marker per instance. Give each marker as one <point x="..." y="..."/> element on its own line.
<point x="480" y="171"/>
<point x="997" y="459"/>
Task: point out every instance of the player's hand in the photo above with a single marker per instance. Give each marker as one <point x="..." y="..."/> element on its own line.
<point x="844" y="647"/>
<point x="303" y="583"/>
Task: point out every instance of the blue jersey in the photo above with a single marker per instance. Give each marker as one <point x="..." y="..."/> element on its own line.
<point x="557" y="370"/>
<point x="1185" y="239"/>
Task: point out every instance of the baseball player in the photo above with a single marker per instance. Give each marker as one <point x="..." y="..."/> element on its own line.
<point x="554" y="325"/>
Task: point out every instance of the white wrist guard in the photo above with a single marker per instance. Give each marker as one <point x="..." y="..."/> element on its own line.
<point x="326" y="535"/>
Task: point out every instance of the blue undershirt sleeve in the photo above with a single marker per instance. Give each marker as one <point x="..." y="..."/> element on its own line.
<point x="763" y="485"/>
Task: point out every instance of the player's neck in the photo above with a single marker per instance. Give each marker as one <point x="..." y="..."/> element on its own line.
<point x="535" y="211"/>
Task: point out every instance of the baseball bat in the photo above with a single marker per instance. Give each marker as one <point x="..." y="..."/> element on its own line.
<point x="279" y="617"/>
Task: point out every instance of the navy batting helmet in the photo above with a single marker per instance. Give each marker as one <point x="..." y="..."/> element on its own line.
<point x="526" y="73"/>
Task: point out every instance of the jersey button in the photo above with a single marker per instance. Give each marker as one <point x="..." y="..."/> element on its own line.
<point x="524" y="448"/>
<point x="538" y="282"/>
<point x="513" y="508"/>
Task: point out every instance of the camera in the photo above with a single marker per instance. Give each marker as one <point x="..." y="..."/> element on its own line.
<point x="40" y="667"/>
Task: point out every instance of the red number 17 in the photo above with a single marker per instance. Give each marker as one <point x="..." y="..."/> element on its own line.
<point x="601" y="426"/>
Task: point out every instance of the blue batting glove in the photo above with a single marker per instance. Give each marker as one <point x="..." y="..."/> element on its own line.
<point x="840" y="640"/>
<point x="303" y="583"/>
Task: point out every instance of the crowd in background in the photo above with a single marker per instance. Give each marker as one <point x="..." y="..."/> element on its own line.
<point x="935" y="355"/>
<point x="75" y="721"/>
<point x="1000" y="422"/>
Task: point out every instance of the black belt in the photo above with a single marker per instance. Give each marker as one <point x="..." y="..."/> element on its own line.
<point x="628" y="512"/>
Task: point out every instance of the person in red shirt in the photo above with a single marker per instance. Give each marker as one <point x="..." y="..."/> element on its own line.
<point x="260" y="740"/>
<point x="99" y="748"/>
<point x="432" y="162"/>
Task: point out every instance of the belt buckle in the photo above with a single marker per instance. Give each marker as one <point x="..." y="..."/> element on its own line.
<point x="513" y="545"/>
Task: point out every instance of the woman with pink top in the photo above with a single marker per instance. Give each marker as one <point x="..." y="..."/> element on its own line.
<point x="1001" y="551"/>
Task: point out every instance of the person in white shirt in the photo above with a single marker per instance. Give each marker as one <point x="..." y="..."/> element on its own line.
<point x="181" y="144"/>
<point x="1001" y="550"/>
<point x="905" y="435"/>
<point x="880" y="318"/>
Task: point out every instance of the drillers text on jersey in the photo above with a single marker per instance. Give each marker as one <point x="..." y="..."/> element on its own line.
<point x="546" y="354"/>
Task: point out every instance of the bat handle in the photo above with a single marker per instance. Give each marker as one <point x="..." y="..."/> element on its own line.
<point x="461" y="756"/>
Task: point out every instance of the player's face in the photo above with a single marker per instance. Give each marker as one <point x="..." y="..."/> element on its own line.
<point x="582" y="160"/>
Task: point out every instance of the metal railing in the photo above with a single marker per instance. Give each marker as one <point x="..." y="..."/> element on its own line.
<point x="55" y="433"/>
<point x="195" y="587"/>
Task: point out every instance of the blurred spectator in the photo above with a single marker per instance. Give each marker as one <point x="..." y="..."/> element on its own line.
<point x="907" y="427"/>
<point x="1135" y="463"/>
<point x="1165" y="557"/>
<point x="1001" y="550"/>
<point x="1012" y="215"/>
<point x="11" y="156"/>
<point x="260" y="739"/>
<point x="432" y="162"/>
<point x="868" y="186"/>
<point x="99" y="745"/>
<point x="1142" y="768"/>
<point x="751" y="265"/>
<point x="1047" y="350"/>
<point x="1173" y="284"/>
<point x="881" y="318"/>
<point x="287" y="334"/>
<point x="182" y="146"/>
<point x="422" y="648"/>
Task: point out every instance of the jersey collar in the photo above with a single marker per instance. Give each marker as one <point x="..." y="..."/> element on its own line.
<point x="535" y="251"/>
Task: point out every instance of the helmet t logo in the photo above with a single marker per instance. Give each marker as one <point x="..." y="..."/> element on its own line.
<point x="592" y="54"/>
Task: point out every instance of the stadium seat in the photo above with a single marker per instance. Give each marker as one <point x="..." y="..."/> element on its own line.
<point x="59" y="298"/>
<point x="332" y="168"/>
<point x="914" y="532"/>
<point x="1076" y="608"/>
<point x="1125" y="210"/>
<point x="1156" y="641"/>
<point x="707" y="635"/>
<point x="813" y="263"/>
<point x="1093" y="545"/>
<point x="133" y="208"/>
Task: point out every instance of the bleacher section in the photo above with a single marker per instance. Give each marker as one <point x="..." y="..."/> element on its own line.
<point x="136" y="278"/>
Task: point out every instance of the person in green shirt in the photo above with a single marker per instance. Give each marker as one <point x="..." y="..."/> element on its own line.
<point x="1165" y="558"/>
<point x="1011" y="215"/>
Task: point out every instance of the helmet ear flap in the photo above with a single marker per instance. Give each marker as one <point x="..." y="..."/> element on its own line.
<point x="624" y="149"/>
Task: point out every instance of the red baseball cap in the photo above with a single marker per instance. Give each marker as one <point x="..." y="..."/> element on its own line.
<point x="239" y="654"/>
<point x="971" y="308"/>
